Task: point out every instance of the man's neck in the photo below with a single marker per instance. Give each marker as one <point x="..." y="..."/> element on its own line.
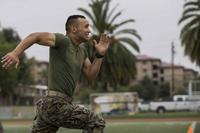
<point x="73" y="39"/>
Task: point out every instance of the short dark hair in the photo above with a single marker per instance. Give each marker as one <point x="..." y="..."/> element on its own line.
<point x="71" y="19"/>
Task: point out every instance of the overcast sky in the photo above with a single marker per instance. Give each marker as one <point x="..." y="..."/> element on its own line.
<point x="156" y="22"/>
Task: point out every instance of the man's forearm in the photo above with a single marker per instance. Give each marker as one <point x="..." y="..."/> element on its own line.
<point x="24" y="44"/>
<point x="94" y="68"/>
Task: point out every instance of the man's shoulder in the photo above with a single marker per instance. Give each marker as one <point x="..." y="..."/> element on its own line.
<point x="61" y="37"/>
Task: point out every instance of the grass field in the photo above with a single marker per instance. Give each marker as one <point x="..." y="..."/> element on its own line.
<point x="124" y="127"/>
<point x="139" y="123"/>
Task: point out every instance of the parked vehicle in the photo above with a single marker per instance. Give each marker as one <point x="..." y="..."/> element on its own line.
<point x="179" y="103"/>
<point x="143" y="106"/>
<point x="190" y="102"/>
<point x="114" y="103"/>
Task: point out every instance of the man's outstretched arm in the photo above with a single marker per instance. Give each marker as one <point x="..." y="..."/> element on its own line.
<point x="42" y="38"/>
<point x="91" y="70"/>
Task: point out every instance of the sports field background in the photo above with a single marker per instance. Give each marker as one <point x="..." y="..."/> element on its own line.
<point x="122" y="127"/>
<point x="173" y="122"/>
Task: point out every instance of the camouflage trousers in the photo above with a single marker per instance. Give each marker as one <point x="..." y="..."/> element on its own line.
<point x="54" y="112"/>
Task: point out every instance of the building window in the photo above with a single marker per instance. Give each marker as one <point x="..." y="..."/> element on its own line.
<point x="162" y="79"/>
<point x="145" y="70"/>
<point x="161" y="70"/>
<point x="180" y="99"/>
<point x="155" y="67"/>
<point x="155" y="75"/>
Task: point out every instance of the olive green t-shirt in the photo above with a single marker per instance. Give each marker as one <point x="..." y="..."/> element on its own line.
<point x="65" y="65"/>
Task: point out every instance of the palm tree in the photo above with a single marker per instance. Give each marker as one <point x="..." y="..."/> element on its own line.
<point x="119" y="63"/>
<point x="190" y="33"/>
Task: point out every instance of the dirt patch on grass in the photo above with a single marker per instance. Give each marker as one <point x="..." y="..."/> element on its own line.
<point x="152" y="119"/>
<point x="110" y="120"/>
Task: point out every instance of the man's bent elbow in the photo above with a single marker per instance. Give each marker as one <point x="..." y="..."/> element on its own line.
<point x="43" y="38"/>
<point x="34" y="37"/>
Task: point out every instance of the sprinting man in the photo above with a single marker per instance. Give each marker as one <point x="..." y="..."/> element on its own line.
<point x="67" y="60"/>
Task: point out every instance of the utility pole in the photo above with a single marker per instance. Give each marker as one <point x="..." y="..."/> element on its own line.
<point x="172" y="69"/>
<point x="0" y="26"/>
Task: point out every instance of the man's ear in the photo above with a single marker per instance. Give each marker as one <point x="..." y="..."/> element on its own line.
<point x="74" y="28"/>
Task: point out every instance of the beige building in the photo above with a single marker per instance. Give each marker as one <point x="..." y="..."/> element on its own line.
<point x="39" y="71"/>
<point x="161" y="72"/>
<point x="179" y="80"/>
<point x="147" y="66"/>
<point x="189" y="74"/>
<point x="29" y="94"/>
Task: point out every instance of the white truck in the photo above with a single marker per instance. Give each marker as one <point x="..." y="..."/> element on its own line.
<point x="190" y="102"/>
<point x="179" y="103"/>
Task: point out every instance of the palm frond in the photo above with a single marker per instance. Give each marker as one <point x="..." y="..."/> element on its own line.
<point x="128" y="31"/>
<point x="115" y="17"/>
<point x="105" y="10"/>
<point x="130" y="42"/>
<point x="116" y="26"/>
<point x="111" y="13"/>
<point x="189" y="25"/>
<point x="191" y="3"/>
<point x="191" y="11"/>
<point x="186" y="17"/>
<point x="88" y="14"/>
<point x="125" y="22"/>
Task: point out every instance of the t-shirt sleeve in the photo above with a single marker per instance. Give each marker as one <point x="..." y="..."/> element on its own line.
<point x="85" y="50"/>
<point x="61" y="41"/>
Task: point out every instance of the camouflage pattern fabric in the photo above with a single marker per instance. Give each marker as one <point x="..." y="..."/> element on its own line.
<point x="54" y="112"/>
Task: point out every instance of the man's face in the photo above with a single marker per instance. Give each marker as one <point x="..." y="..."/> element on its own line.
<point x="83" y="30"/>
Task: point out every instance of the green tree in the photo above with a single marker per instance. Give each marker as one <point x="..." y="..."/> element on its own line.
<point x="119" y="63"/>
<point x="164" y="90"/>
<point x="190" y="33"/>
<point x="10" y="35"/>
<point x="146" y="89"/>
<point x="9" y="79"/>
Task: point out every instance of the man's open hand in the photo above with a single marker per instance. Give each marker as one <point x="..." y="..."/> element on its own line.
<point x="9" y="59"/>
<point x="103" y="44"/>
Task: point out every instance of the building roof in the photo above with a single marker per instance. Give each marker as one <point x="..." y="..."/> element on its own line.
<point x="169" y="65"/>
<point x="142" y="57"/>
<point x="191" y="70"/>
